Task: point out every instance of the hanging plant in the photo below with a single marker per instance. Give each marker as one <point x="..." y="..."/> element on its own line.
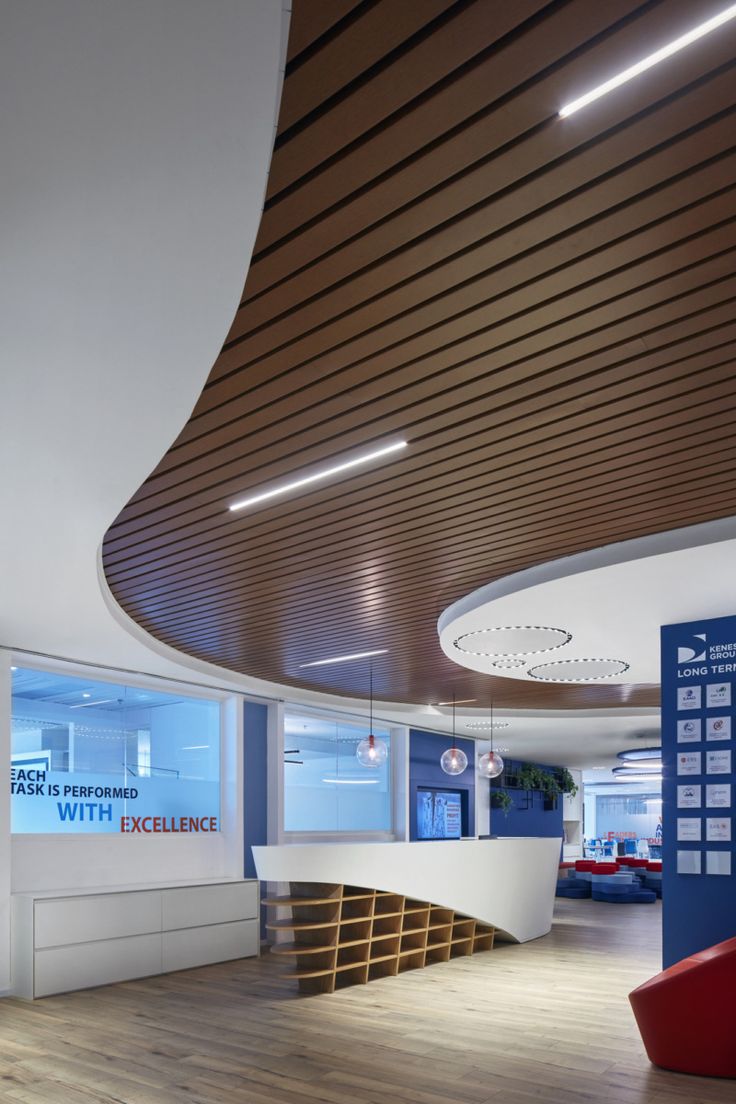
<point x="502" y="800"/>
<point x="567" y="782"/>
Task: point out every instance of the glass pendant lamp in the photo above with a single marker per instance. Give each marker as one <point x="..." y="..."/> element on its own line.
<point x="490" y="765"/>
<point x="454" y="760"/>
<point x="372" y="751"/>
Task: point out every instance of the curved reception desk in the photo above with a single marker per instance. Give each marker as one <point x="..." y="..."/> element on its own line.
<point x="357" y="911"/>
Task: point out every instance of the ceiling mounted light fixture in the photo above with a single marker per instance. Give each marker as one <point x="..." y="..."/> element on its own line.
<point x="650" y="60"/>
<point x="317" y="477"/>
<point x="490" y="765"/>
<point x="460" y="701"/>
<point x="640" y="755"/>
<point x="637" y="777"/>
<point x="487" y="724"/>
<point x="511" y="641"/>
<point x="371" y="752"/>
<point x="454" y="760"/>
<point x="577" y="670"/>
<point x="343" y="658"/>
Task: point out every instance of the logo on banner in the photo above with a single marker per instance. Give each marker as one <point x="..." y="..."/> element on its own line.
<point x="693" y="652"/>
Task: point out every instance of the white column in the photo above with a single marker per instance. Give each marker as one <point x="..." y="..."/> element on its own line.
<point x="483" y="818"/>
<point x="231" y="785"/>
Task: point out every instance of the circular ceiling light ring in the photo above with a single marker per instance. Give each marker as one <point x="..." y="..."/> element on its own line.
<point x="560" y="637"/>
<point x="487" y="724"/>
<point x="626" y="772"/>
<point x="638" y="755"/>
<point x="619" y="665"/>
<point x="509" y="664"/>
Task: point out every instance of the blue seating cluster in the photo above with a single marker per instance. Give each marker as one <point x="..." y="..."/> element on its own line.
<point x="607" y="882"/>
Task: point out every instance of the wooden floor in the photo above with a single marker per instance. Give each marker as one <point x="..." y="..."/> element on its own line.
<point x="546" y="1022"/>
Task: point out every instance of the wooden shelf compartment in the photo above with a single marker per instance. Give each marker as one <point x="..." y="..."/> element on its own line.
<point x="353" y="954"/>
<point x="347" y="935"/>
<point x="357" y="908"/>
<point x="438" y="952"/>
<point x="387" y="904"/>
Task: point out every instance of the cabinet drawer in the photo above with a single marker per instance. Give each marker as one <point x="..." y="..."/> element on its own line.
<point x="196" y="906"/>
<point x="62" y="921"/>
<point x="61" y="969"/>
<point x="213" y="943"/>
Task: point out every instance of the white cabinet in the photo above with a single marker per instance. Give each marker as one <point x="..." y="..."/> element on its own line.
<point x="80" y="940"/>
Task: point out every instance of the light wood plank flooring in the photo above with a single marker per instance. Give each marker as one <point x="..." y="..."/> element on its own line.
<point x="546" y="1022"/>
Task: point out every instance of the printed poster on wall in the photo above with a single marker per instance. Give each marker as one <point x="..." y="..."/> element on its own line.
<point x="688" y="797"/>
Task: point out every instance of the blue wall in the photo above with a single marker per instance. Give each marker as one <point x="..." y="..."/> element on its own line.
<point x="698" y="910"/>
<point x="528" y="816"/>
<point x="425" y="749"/>
<point x="255" y="721"/>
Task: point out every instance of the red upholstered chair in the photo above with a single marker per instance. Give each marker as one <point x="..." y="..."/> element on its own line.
<point x="686" y="1013"/>
<point x="655" y="866"/>
<point x="584" y="864"/>
<point x="605" y="868"/>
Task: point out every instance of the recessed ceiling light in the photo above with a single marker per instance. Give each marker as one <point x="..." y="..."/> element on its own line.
<point x="640" y="768"/>
<point x="195" y="747"/>
<point x="83" y="705"/>
<point x="512" y="640"/>
<point x="459" y="701"/>
<point x="508" y="664"/>
<point x="650" y="60"/>
<point x="344" y="658"/>
<point x="487" y="724"/>
<point x="638" y="777"/>
<point x="13" y="668"/>
<point x="317" y="477"/>
<point x="639" y="754"/>
<point x="85" y="694"/>
<point x="353" y="781"/>
<point x="578" y="670"/>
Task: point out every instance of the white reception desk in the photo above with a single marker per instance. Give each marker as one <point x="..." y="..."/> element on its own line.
<point x="506" y="883"/>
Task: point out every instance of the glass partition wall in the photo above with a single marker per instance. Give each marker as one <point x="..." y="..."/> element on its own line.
<point x="326" y="789"/>
<point x="90" y="756"/>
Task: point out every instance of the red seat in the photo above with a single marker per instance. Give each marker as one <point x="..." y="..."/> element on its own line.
<point x="655" y="865"/>
<point x="605" y="868"/>
<point x="584" y="864"/>
<point x="685" y="1014"/>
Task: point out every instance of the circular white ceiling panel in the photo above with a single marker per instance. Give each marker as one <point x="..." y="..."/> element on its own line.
<point x="511" y="640"/>
<point x="611" y="602"/>
<point x="578" y="670"/>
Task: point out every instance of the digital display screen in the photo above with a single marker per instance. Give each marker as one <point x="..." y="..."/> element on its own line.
<point x="439" y="814"/>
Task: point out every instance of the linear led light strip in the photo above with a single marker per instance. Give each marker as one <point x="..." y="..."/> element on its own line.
<point x="652" y="59"/>
<point x="306" y="480"/>
<point x="344" y="658"/>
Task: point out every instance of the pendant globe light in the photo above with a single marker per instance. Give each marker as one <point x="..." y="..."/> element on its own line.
<point x="490" y="765"/>
<point x="454" y="760"/>
<point x="371" y="752"/>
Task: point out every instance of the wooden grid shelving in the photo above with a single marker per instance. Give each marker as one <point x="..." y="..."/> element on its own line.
<point x="349" y="935"/>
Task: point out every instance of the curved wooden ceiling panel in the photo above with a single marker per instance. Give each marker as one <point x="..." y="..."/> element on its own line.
<point x="542" y="307"/>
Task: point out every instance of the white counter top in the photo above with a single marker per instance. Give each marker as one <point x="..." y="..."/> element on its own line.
<point x="507" y="883"/>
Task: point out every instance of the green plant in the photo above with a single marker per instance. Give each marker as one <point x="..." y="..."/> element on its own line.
<point x="567" y="782"/>
<point x="502" y="800"/>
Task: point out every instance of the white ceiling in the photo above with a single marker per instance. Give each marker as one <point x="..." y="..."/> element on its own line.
<point x="611" y="600"/>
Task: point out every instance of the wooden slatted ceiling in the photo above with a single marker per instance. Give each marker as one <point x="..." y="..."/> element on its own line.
<point x="544" y="308"/>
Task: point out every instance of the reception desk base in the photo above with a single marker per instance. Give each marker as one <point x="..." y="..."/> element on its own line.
<point x="341" y="935"/>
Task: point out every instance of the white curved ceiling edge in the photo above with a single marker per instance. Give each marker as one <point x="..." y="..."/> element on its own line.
<point x="613" y="600"/>
<point x="136" y="145"/>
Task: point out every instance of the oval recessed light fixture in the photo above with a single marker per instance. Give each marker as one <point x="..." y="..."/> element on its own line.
<point x="640" y="754"/>
<point x="578" y="670"/>
<point x="508" y="664"/>
<point x="487" y="724"/>
<point x="512" y="640"/>
<point x="641" y="768"/>
<point x="638" y="776"/>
